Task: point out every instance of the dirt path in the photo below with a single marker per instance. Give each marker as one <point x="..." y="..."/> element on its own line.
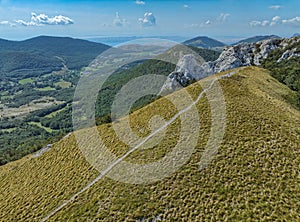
<point x="103" y="173"/>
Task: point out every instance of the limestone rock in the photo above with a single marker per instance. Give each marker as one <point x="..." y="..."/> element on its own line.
<point x="243" y="54"/>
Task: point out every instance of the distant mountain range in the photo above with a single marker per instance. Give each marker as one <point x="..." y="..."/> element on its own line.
<point x="257" y="39"/>
<point x="210" y="43"/>
<point x="44" y="54"/>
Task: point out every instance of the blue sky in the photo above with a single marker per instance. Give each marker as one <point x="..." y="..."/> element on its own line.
<point x="223" y="19"/>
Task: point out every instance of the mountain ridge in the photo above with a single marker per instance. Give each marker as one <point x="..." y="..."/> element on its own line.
<point x="204" y="42"/>
<point x="243" y="54"/>
<point x="258" y="148"/>
<point x="21" y="55"/>
<point x="255" y="39"/>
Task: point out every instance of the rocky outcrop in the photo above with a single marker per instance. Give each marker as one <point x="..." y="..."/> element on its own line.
<point x="244" y="54"/>
<point x="187" y="71"/>
<point x="264" y="48"/>
<point x="289" y="54"/>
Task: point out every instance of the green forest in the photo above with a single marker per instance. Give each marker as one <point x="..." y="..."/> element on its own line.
<point x="286" y="71"/>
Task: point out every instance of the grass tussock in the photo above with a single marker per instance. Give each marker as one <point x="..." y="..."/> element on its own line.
<point x="255" y="175"/>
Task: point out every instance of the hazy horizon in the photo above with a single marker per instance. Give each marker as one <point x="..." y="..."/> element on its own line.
<point x="115" y="40"/>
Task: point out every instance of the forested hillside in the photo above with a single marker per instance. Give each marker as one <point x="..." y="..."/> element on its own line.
<point x="284" y="64"/>
<point x="44" y="54"/>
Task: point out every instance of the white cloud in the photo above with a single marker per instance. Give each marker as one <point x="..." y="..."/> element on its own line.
<point x="4" y="22"/>
<point x="260" y="23"/>
<point x="43" y="19"/>
<point x="199" y="25"/>
<point x="148" y="20"/>
<point x="265" y="23"/>
<point x="275" y="20"/>
<point x="276" y="7"/>
<point x="223" y="17"/>
<point x="186" y="6"/>
<point x="118" y="21"/>
<point x="139" y="2"/>
<point x="7" y="23"/>
<point x="208" y="22"/>
<point x="293" y="21"/>
<point x="255" y="23"/>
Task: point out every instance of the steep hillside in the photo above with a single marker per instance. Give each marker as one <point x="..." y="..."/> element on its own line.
<point x="120" y="78"/>
<point x="254" y="174"/>
<point x="284" y="65"/>
<point x="204" y="42"/>
<point x="206" y="54"/>
<point x="257" y="39"/>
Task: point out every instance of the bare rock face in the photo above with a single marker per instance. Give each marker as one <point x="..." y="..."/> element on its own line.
<point x="264" y="48"/>
<point x="289" y="54"/>
<point x="187" y="65"/>
<point x="244" y="54"/>
<point x="234" y="56"/>
<point x="186" y="72"/>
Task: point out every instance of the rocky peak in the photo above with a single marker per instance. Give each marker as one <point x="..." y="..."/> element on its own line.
<point x="243" y="54"/>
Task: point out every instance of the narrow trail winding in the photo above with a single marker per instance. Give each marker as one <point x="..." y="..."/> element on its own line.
<point x="112" y="165"/>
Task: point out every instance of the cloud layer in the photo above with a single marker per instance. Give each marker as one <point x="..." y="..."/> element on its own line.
<point x="223" y="17"/>
<point x="293" y="21"/>
<point x="43" y="19"/>
<point x="276" y="20"/>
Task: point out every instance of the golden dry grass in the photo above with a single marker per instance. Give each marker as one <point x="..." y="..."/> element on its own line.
<point x="255" y="175"/>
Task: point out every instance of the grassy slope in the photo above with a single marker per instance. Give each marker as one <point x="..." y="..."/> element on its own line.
<point x="255" y="173"/>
